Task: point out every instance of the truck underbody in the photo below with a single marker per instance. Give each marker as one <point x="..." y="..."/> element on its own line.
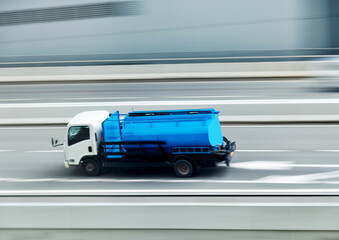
<point x="186" y="161"/>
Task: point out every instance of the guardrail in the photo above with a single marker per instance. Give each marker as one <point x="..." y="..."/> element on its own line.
<point x="169" y="217"/>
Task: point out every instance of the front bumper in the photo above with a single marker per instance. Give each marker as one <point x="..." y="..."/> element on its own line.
<point x="66" y="163"/>
<point x="230" y="152"/>
<point x="226" y="152"/>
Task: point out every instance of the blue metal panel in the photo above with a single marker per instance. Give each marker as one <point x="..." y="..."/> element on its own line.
<point x="179" y="128"/>
<point x="112" y="133"/>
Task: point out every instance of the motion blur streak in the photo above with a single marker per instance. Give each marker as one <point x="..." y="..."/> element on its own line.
<point x="152" y="29"/>
<point x="270" y="67"/>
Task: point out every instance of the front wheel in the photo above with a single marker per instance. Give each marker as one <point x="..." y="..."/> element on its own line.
<point x="183" y="168"/>
<point x="91" y="167"/>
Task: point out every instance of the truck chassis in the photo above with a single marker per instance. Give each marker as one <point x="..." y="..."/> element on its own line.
<point x="186" y="161"/>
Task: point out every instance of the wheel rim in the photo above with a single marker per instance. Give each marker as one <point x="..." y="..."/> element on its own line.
<point x="89" y="167"/>
<point x="183" y="168"/>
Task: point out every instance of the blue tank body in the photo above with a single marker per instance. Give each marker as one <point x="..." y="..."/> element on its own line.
<point x="183" y="139"/>
<point x="179" y="128"/>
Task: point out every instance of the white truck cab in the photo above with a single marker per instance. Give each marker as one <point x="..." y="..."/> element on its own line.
<point x="83" y="136"/>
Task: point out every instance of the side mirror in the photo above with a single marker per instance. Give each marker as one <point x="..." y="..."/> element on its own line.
<point x="55" y="143"/>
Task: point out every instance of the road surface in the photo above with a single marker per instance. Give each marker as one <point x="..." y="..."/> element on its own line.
<point x="241" y="99"/>
<point x="270" y="159"/>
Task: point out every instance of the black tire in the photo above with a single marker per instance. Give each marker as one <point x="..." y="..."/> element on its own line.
<point x="183" y="168"/>
<point x="91" y="167"/>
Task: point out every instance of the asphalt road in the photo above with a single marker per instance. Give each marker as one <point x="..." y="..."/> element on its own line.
<point x="161" y="90"/>
<point x="270" y="159"/>
<point x="242" y="98"/>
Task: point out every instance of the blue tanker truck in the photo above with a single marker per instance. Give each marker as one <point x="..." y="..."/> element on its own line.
<point x="186" y="140"/>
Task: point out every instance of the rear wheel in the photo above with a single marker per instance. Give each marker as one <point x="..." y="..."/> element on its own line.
<point x="91" y="167"/>
<point x="183" y="168"/>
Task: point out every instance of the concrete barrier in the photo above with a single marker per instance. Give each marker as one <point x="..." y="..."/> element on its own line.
<point x="168" y="218"/>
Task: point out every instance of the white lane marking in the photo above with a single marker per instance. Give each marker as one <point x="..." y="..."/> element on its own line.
<point x="223" y="126"/>
<point x="266" y="150"/>
<point x="278" y="165"/>
<point x="281" y="126"/>
<point x="325" y="150"/>
<point x="282" y="150"/>
<point x="167" y="59"/>
<point x="32" y="128"/>
<point x="238" y="150"/>
<point x="95" y="98"/>
<point x="299" y="179"/>
<point x="150" y="204"/>
<point x="45" y="151"/>
<point x="96" y="180"/>
<point x="264" y="165"/>
<point x="316" y="165"/>
<point x="220" y="82"/>
<point x="333" y="150"/>
<point x="273" y="179"/>
<point x="212" y="96"/>
<point x="172" y="191"/>
<point x="87" y="180"/>
<point x="85" y="98"/>
<point x="330" y="182"/>
<point x="67" y="180"/>
<point x="171" y="103"/>
<point x="209" y="83"/>
<point x="19" y="99"/>
<point x="33" y="151"/>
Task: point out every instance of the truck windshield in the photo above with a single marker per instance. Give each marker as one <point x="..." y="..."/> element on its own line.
<point x="77" y="134"/>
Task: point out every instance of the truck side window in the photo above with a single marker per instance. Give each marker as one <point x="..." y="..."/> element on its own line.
<point x="77" y="134"/>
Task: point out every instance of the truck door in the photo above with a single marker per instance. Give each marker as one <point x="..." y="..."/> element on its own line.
<point x="79" y="143"/>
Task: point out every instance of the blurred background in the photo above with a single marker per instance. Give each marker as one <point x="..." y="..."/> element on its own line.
<point x="270" y="67"/>
<point x="127" y="30"/>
